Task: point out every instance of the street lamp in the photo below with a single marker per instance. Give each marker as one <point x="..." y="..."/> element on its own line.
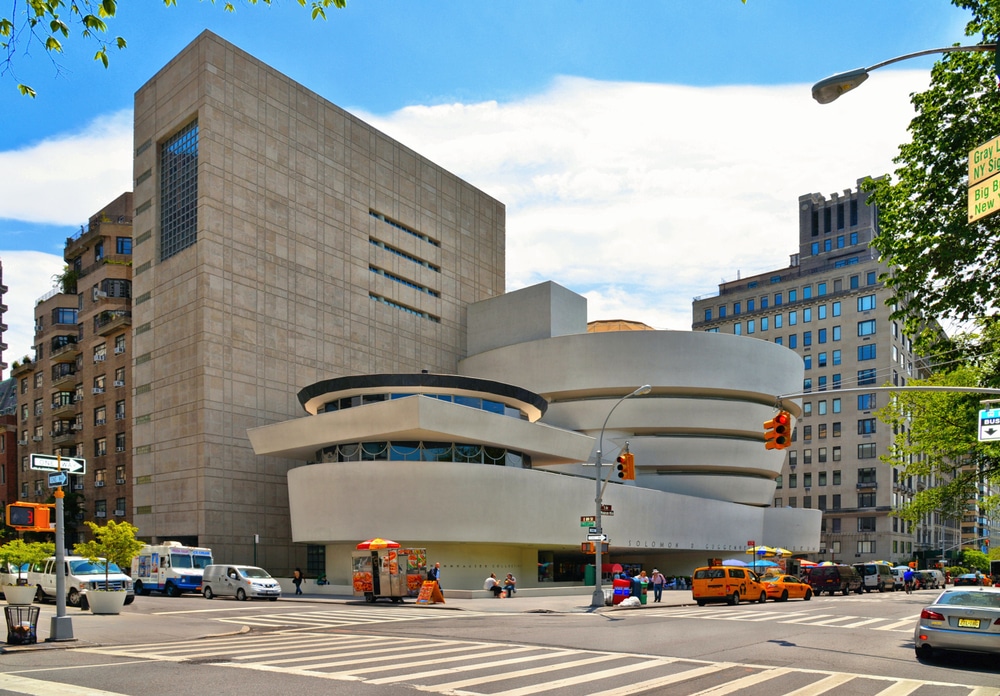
<point x="598" y="598"/>
<point x="828" y="89"/>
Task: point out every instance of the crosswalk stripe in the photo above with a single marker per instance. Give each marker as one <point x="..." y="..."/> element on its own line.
<point x="653" y="685"/>
<point x="469" y="668"/>
<point x="366" y="666"/>
<point x="548" y="684"/>
<point x="822" y="686"/>
<point x="909" y="623"/>
<point x="744" y="682"/>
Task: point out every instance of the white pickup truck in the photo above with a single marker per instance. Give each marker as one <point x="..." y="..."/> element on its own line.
<point x="81" y="575"/>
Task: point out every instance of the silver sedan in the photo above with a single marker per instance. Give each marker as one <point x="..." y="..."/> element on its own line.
<point x="961" y="618"/>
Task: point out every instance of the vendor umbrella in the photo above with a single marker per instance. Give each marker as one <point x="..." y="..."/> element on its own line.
<point x="378" y="543"/>
<point x="807" y="564"/>
<point x="734" y="562"/>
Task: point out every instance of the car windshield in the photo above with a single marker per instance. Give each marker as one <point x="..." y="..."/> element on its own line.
<point x="180" y="560"/>
<point x="772" y="578"/>
<point x="255" y="573"/>
<point x="202" y="562"/>
<point x="990" y="600"/>
<point x="85" y="567"/>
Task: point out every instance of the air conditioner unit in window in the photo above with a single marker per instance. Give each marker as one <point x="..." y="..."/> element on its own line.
<point x="98" y="390"/>
<point x="22" y="443"/>
<point x="98" y="484"/>
<point x="119" y="449"/>
<point x="119" y="383"/>
<point x="119" y="513"/>
<point x="822" y="551"/>
<point x="98" y="294"/>
<point x="77" y="486"/>
<point x="78" y="398"/>
<point x="100" y="421"/>
<point x="119" y="350"/>
<point x="120" y="481"/>
<point x="37" y="438"/>
<point x="99" y="358"/>
<point x="101" y="513"/>
<point x="76" y="426"/>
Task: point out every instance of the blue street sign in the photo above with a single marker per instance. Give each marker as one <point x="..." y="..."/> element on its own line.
<point x="58" y="479"/>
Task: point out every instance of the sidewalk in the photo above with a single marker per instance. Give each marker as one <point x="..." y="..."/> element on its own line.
<point x="189" y="623"/>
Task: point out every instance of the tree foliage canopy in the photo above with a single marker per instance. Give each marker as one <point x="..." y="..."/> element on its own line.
<point x="114" y="542"/>
<point x="49" y="23"/>
<point x="936" y="436"/>
<point x="943" y="266"/>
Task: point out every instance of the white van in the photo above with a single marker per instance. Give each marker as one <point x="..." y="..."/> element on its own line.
<point x="81" y="575"/>
<point x="876" y="576"/>
<point x="240" y="581"/>
<point x="938" y="578"/>
<point x="897" y="576"/>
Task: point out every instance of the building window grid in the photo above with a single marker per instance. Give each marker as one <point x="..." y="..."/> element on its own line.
<point x="179" y="191"/>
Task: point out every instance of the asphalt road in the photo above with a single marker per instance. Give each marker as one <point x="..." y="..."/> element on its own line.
<point x="860" y="644"/>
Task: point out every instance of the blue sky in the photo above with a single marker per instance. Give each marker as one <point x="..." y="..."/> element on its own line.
<point x="646" y="151"/>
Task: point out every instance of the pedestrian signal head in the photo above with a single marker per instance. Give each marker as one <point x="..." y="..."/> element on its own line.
<point x="778" y="431"/>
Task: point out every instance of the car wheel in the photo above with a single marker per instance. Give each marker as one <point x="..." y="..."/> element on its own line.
<point x="39" y="595"/>
<point x="701" y="602"/>
<point x="734" y="598"/>
<point x="129" y="599"/>
<point x="763" y="597"/>
<point x="784" y="596"/>
<point x="73" y="598"/>
<point x="173" y="590"/>
<point x="273" y="599"/>
<point x="924" y="652"/>
<point x="241" y="595"/>
<point x="847" y="590"/>
<point x="808" y="595"/>
<point x="207" y="593"/>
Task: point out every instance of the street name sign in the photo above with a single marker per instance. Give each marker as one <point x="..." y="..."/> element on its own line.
<point x="984" y="180"/>
<point x="587" y="520"/>
<point x="47" y="462"/>
<point x="58" y="479"/>
<point x="989" y="424"/>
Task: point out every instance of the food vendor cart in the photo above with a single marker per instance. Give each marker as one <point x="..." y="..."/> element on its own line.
<point x="383" y="570"/>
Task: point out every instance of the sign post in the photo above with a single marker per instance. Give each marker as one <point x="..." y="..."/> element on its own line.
<point x="60" y="626"/>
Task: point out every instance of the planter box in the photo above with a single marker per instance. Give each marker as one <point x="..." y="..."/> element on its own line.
<point x="106" y="601"/>
<point x="19" y="594"/>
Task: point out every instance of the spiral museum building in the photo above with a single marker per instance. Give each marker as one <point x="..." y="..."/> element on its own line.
<point x="492" y="469"/>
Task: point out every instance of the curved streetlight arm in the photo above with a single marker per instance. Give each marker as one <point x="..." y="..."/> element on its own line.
<point x="598" y="599"/>
<point x="828" y="89"/>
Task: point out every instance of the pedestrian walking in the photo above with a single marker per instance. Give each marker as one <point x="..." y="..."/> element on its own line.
<point x="435" y="574"/>
<point x="297" y="580"/>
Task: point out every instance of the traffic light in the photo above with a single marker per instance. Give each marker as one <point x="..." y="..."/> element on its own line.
<point x="31" y="517"/>
<point x="778" y="431"/>
<point x="626" y="466"/>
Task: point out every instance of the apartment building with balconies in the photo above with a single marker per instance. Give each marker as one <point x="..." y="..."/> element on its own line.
<point x="73" y="399"/>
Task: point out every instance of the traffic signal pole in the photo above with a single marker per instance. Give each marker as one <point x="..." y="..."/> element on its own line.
<point x="60" y="625"/>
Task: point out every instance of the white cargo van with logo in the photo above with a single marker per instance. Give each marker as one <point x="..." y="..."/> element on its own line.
<point x="240" y="581"/>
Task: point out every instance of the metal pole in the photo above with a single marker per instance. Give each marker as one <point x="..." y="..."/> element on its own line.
<point x="598" y="599"/>
<point x="60" y="625"/>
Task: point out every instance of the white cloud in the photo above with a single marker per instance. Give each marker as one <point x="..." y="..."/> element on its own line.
<point x="642" y="196"/>
<point x="28" y="276"/>
<point x="639" y="196"/>
<point x="66" y="179"/>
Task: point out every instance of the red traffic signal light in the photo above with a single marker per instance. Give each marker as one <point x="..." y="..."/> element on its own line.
<point x="626" y="466"/>
<point x="778" y="431"/>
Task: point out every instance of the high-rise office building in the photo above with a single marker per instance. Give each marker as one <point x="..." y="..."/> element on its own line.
<point x="829" y="307"/>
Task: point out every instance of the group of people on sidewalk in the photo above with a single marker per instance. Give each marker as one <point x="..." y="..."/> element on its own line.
<point x="506" y="589"/>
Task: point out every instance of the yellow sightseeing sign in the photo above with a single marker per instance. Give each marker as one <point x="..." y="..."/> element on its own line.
<point x="984" y="182"/>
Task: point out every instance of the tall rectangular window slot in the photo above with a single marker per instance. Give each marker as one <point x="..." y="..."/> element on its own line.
<point x="179" y="191"/>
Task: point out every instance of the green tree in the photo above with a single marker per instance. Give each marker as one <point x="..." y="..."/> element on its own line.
<point x="943" y="266"/>
<point x="115" y="542"/>
<point x="975" y="560"/>
<point x="18" y="552"/>
<point x="935" y="434"/>
<point x="49" y="23"/>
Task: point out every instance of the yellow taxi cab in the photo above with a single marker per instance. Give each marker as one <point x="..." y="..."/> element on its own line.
<point x="731" y="584"/>
<point x="782" y="587"/>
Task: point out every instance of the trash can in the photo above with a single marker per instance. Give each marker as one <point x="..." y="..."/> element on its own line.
<point x="621" y="590"/>
<point x="642" y="593"/>
<point x="589" y="575"/>
<point x="22" y="624"/>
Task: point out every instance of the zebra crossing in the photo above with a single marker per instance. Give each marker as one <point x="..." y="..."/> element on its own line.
<point x="801" y="617"/>
<point x="481" y="668"/>
<point x="332" y="618"/>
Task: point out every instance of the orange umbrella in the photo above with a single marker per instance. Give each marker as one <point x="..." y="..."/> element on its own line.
<point x="378" y="543"/>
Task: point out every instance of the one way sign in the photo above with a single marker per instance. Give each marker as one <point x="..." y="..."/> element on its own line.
<point x="989" y="424"/>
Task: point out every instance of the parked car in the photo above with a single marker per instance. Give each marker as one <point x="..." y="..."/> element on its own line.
<point x="730" y="584"/>
<point x="897" y="576"/>
<point x="927" y="580"/>
<point x="875" y="576"/>
<point x="961" y="618"/>
<point x="938" y="578"/>
<point x="240" y="581"/>
<point x="835" y="578"/>
<point x="81" y="575"/>
<point x="968" y="580"/>
<point x="782" y="587"/>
